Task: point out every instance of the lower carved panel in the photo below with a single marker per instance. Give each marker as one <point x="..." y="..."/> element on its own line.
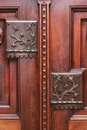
<point x="67" y="89"/>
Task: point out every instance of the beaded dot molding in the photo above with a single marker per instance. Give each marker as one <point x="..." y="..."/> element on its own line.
<point x="44" y="65"/>
<point x="44" y="10"/>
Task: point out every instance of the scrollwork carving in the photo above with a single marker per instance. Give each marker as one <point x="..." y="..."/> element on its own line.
<point x="21" y="39"/>
<point x="60" y="95"/>
<point x="67" y="89"/>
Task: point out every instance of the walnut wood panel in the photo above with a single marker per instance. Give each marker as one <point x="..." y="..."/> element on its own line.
<point x="10" y="125"/>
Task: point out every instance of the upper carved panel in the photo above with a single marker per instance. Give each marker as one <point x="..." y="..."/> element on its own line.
<point x="21" y="38"/>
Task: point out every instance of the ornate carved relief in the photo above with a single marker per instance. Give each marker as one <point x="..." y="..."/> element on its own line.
<point x="21" y="39"/>
<point x="67" y="90"/>
<point x="44" y="59"/>
<point x="60" y="95"/>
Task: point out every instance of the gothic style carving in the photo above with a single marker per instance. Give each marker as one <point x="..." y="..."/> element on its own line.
<point x="21" y="39"/>
<point x="67" y="89"/>
<point x="44" y="62"/>
<point x="60" y="95"/>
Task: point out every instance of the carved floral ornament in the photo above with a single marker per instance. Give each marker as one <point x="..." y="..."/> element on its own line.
<point x="21" y="39"/>
<point x="67" y="89"/>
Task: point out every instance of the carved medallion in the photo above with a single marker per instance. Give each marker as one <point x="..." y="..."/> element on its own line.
<point x="67" y="89"/>
<point x="21" y="38"/>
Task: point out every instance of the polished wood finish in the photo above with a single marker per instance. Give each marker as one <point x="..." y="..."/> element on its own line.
<point x="68" y="51"/>
<point x="10" y="124"/>
<point x="25" y="83"/>
<point x="19" y="89"/>
<point x="44" y="61"/>
<point x="78" y="125"/>
<point x="29" y="94"/>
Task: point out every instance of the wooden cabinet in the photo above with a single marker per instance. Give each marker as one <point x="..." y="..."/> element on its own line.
<point x="25" y="82"/>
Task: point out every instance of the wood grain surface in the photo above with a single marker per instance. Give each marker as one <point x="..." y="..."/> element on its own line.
<point x="10" y="125"/>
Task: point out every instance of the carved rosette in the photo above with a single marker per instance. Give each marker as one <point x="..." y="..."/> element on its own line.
<point x="44" y="62"/>
<point x="67" y="90"/>
<point x="21" y="38"/>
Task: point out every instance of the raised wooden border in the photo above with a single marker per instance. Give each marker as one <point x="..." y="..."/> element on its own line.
<point x="72" y="9"/>
<point x="9" y="107"/>
<point x="44" y="61"/>
<point x="11" y="9"/>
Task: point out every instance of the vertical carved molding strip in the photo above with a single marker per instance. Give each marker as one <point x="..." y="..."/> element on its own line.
<point x="44" y="62"/>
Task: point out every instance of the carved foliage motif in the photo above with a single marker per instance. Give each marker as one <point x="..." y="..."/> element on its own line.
<point x="66" y="90"/>
<point x="21" y="39"/>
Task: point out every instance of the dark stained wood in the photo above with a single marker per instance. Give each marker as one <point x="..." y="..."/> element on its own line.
<point x="59" y="53"/>
<point x="48" y="65"/>
<point x="29" y="94"/>
<point x="19" y="89"/>
<point x="25" y="84"/>
<point x="68" y="41"/>
<point x="40" y="62"/>
<point x="59" y="120"/>
<point x="44" y="63"/>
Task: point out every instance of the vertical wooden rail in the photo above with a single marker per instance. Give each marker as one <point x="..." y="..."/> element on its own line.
<point x="48" y="66"/>
<point x="44" y="63"/>
<point x="40" y="60"/>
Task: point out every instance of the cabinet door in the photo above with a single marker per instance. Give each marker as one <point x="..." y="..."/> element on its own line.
<point x="25" y="82"/>
<point x="62" y="48"/>
<point x="19" y="91"/>
<point x="68" y="50"/>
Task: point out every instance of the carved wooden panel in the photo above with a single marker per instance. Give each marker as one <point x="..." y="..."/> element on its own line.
<point x="21" y="38"/>
<point x="67" y="90"/>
